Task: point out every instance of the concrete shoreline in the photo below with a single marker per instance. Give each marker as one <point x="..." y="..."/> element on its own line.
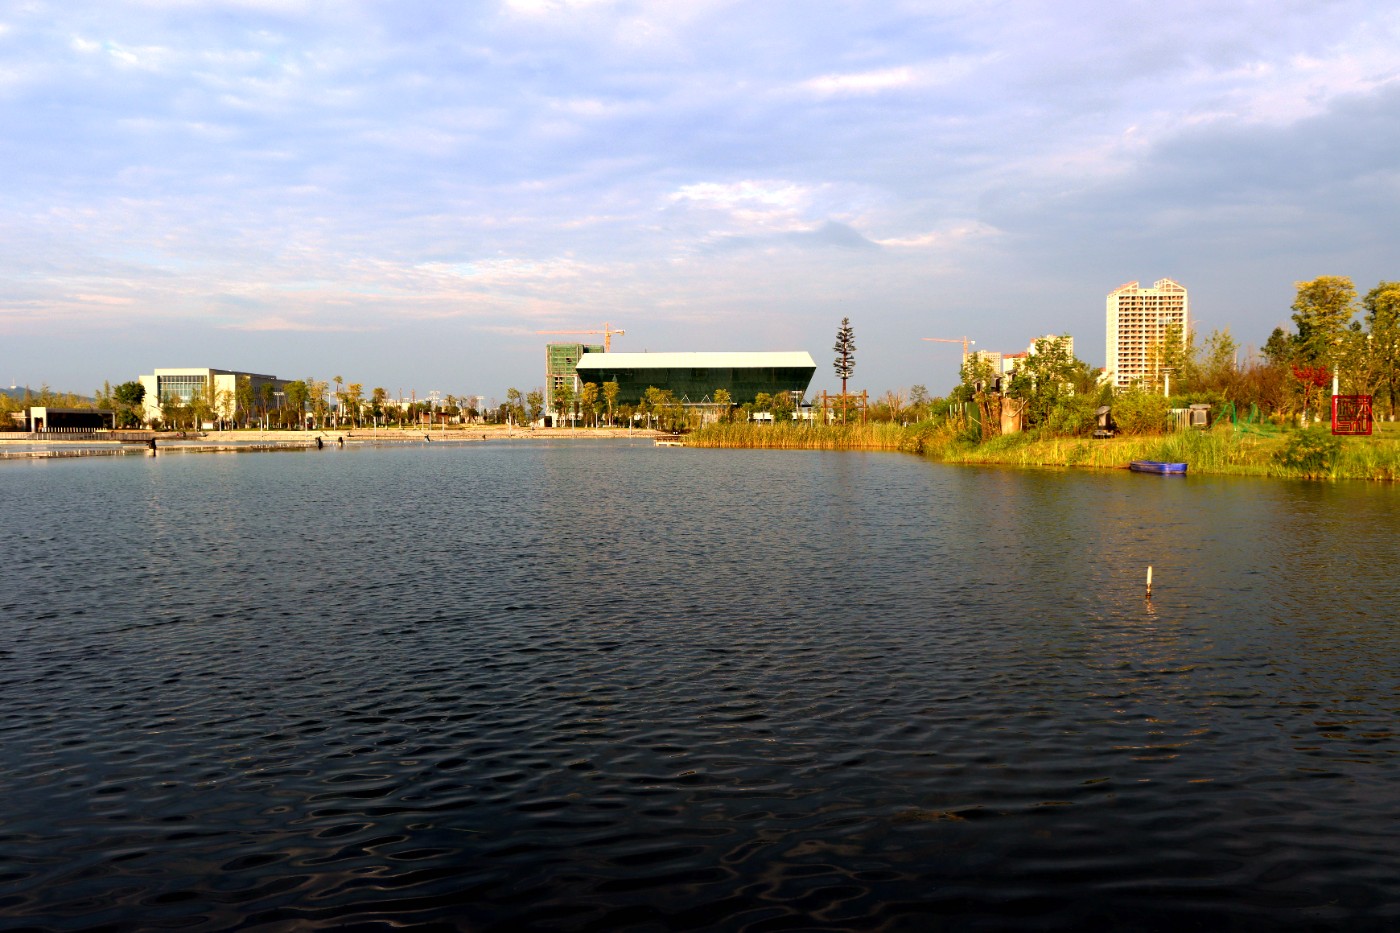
<point x="245" y="441"/>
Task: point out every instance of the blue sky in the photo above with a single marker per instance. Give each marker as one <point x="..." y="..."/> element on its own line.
<point x="403" y="193"/>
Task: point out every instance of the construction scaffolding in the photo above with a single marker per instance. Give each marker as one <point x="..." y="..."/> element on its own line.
<point x="844" y="402"/>
<point x="561" y="369"/>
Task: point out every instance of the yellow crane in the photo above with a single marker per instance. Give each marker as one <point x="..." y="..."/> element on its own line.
<point x="607" y="333"/>
<point x="962" y="340"/>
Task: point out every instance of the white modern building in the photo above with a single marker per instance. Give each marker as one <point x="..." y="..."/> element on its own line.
<point x="1140" y="323"/>
<point x="185" y="384"/>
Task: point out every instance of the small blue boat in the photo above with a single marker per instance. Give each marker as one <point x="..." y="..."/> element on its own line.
<point x="1157" y="466"/>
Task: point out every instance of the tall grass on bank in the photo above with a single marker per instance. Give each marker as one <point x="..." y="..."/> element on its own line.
<point x="1206" y="452"/>
<point x="799" y="436"/>
<point x="1222" y="450"/>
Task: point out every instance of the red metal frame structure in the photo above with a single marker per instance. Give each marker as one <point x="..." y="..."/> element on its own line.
<point x="1351" y="414"/>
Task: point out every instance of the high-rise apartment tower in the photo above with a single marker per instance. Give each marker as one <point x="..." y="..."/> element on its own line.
<point x="1142" y="323"/>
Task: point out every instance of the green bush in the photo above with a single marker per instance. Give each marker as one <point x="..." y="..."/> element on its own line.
<point x="1310" y="453"/>
<point x="1072" y="417"/>
<point x="1138" y="412"/>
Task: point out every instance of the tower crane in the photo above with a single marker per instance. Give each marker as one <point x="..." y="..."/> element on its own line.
<point x="607" y="333"/>
<point x="962" y="340"/>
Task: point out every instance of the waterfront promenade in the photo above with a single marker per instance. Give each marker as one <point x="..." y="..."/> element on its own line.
<point x="29" y="447"/>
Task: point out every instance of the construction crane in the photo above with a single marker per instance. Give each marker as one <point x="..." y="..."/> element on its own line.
<point x="962" y="340"/>
<point x="607" y="333"/>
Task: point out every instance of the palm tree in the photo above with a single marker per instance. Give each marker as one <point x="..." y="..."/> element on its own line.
<point x="339" y="398"/>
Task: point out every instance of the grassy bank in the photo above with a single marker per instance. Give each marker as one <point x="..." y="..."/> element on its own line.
<point x="797" y="436"/>
<point x="1224" y="450"/>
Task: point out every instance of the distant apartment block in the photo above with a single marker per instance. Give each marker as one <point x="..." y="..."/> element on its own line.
<point x="991" y="357"/>
<point x="1140" y="323"/>
<point x="1065" y="340"/>
<point x="1006" y="364"/>
<point x="185" y="384"/>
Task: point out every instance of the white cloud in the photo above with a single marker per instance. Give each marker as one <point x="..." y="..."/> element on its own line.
<point x="492" y="272"/>
<point x="958" y="234"/>
<point x="746" y="194"/>
<point x="279" y="323"/>
<point x="867" y="82"/>
<point x="543" y="8"/>
<point x="901" y="77"/>
<point x="107" y="300"/>
<point x="752" y="206"/>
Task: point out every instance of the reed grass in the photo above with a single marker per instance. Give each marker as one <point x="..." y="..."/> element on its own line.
<point x="798" y="436"/>
<point x="1223" y="450"/>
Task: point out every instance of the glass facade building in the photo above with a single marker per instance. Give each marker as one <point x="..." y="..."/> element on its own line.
<point x="694" y="377"/>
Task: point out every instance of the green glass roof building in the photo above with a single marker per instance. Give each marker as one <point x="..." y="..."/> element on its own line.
<point x="694" y="377"/>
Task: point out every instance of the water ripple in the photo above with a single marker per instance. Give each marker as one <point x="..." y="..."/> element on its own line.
<point x="484" y="688"/>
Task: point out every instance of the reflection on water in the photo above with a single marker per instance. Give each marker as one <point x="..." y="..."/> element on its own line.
<point x="600" y="686"/>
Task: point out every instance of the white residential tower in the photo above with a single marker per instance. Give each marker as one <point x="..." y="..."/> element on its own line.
<point x="1141" y="322"/>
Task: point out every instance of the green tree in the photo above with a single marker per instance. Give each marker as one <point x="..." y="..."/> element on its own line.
<point x="203" y="404"/>
<point x="226" y="407"/>
<point x="354" y="399"/>
<point x="611" y="391"/>
<point x="1322" y="310"/>
<point x="1281" y="348"/>
<point x="1382" y="305"/>
<point x="316" y="399"/>
<point x="563" y="400"/>
<point x="1043" y="379"/>
<point x="297" y="394"/>
<point x="515" y="406"/>
<point x="662" y="405"/>
<point x="267" y="392"/>
<point x="1136" y="411"/>
<point x="129" y="397"/>
<point x="725" y="401"/>
<point x="588" y="398"/>
<point x="377" y="399"/>
<point x="920" y="401"/>
<point x="339" y="398"/>
<point x="170" y="410"/>
<point x="534" y="404"/>
<point x="1216" y="369"/>
<point x="244" y="398"/>
<point x="781" y="406"/>
<point x="980" y="381"/>
<point x="845" y="348"/>
<point x="1175" y="359"/>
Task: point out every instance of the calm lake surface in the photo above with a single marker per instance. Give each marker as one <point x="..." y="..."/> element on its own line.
<point x="608" y="686"/>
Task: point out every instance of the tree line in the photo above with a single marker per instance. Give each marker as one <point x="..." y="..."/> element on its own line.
<point x="1335" y="334"/>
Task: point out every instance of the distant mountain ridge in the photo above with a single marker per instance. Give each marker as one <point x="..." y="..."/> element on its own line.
<point x="17" y="393"/>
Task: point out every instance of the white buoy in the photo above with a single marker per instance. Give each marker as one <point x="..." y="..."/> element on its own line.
<point x="1149" y="581"/>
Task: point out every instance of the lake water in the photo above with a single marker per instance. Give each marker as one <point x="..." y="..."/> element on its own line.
<point x="608" y="686"/>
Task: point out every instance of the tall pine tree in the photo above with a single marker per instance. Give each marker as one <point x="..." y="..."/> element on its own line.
<point x="845" y="352"/>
